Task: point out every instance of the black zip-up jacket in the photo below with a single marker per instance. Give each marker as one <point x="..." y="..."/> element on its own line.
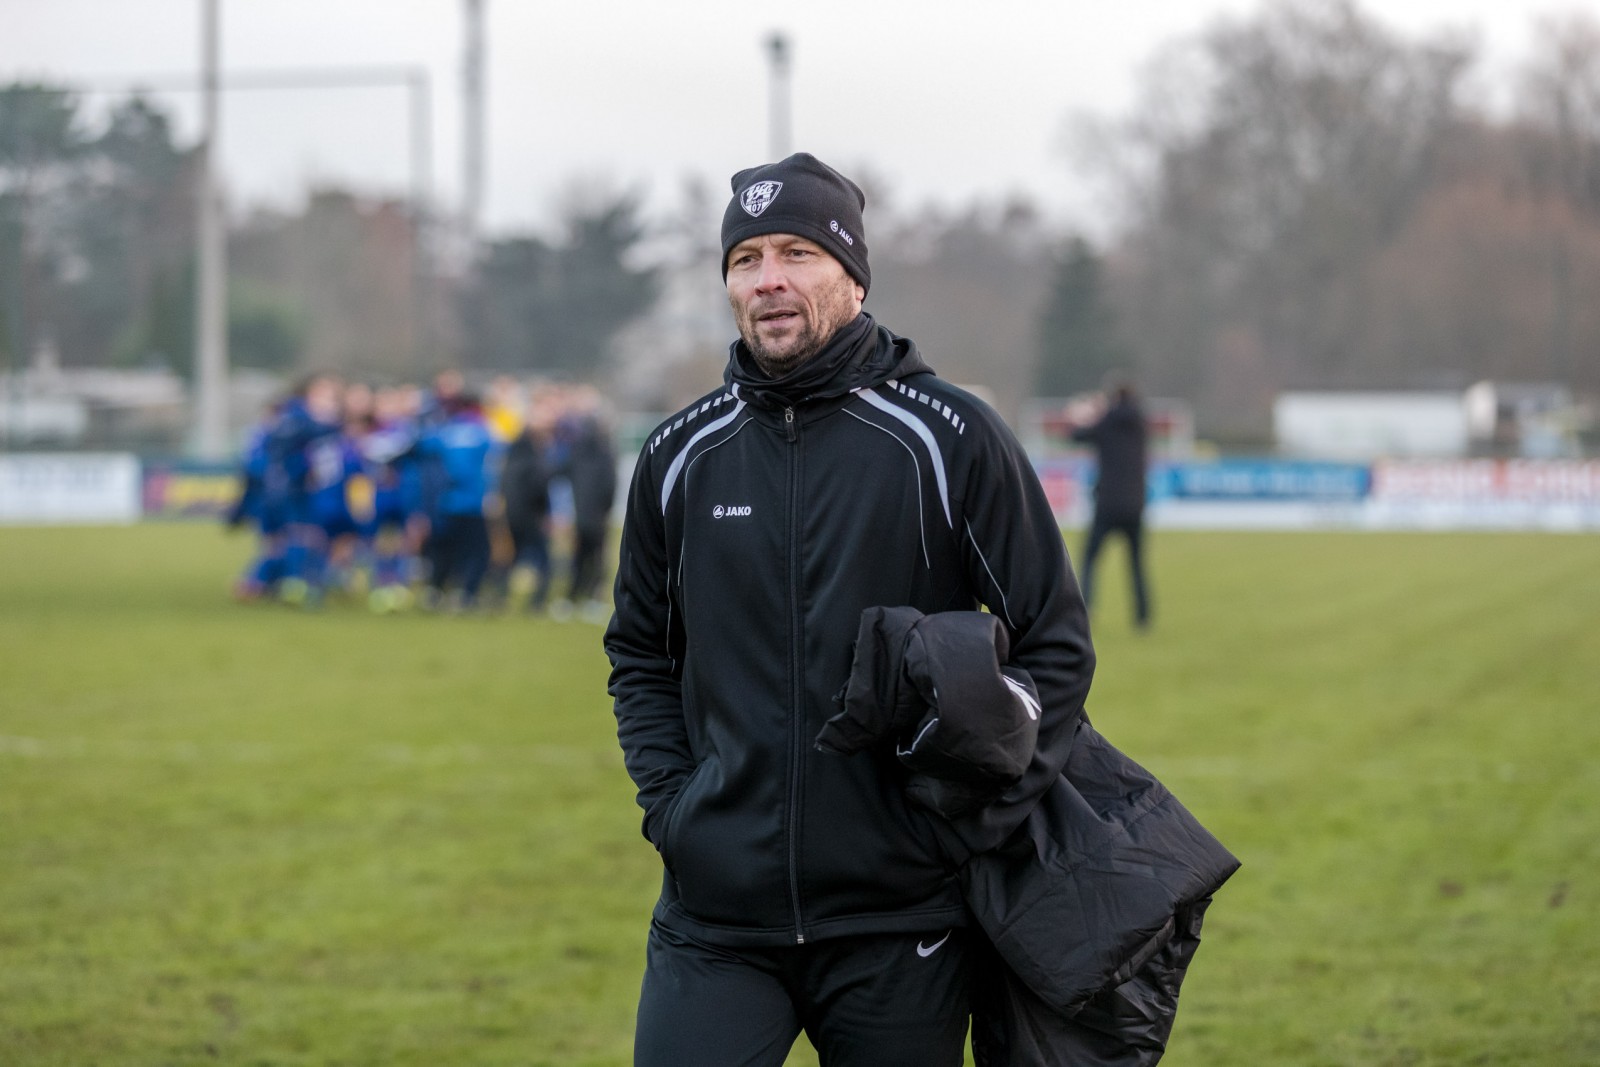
<point x="1121" y="440"/>
<point x="762" y="520"/>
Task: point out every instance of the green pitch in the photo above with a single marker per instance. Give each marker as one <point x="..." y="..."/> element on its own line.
<point x="250" y="835"/>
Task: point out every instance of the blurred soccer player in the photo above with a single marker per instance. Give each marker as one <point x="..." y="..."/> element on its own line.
<point x="262" y="508"/>
<point x="591" y="469"/>
<point x="308" y="417"/>
<point x="386" y="452"/>
<point x="525" y="490"/>
<point x="469" y="459"/>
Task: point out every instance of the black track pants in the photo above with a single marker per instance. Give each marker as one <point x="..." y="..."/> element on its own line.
<point x="1132" y="528"/>
<point x="588" y="552"/>
<point x="460" y="553"/>
<point x="888" y="1000"/>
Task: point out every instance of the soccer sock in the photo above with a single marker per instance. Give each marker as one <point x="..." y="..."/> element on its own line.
<point x="269" y="567"/>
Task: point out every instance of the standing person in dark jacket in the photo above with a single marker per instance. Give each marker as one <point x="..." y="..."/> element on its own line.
<point x="1120" y="439"/>
<point x="831" y="473"/>
<point x="591" y="469"/>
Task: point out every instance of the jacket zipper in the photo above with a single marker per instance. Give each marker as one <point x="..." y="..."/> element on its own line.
<point x="797" y="741"/>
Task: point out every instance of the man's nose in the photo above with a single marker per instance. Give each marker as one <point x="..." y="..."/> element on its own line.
<point x="770" y="276"/>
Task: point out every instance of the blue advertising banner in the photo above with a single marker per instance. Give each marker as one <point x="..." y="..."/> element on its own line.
<point x="1260" y="480"/>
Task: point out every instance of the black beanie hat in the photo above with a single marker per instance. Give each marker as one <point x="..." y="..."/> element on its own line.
<point x="804" y="196"/>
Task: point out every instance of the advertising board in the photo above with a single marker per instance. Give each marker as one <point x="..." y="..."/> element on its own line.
<point x="69" y="488"/>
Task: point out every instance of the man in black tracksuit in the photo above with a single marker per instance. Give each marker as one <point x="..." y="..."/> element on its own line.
<point x="831" y="472"/>
<point x="1120" y="439"/>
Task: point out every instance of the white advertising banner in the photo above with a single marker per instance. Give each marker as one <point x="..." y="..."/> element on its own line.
<point x="70" y="488"/>
<point x="1486" y="494"/>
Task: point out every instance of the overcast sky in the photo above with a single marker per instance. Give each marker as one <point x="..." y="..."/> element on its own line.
<point x="940" y="100"/>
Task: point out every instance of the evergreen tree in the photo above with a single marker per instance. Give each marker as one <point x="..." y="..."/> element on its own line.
<point x="1078" y="341"/>
<point x="40" y="138"/>
<point x="554" y="308"/>
<point x="94" y="228"/>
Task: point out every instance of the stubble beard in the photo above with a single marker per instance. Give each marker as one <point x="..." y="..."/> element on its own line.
<point x="833" y="310"/>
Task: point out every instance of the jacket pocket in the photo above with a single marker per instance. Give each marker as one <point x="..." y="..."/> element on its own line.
<point x="670" y="818"/>
<point x="722" y="847"/>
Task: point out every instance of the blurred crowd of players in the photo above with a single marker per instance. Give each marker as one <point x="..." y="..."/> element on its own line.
<point x="439" y="498"/>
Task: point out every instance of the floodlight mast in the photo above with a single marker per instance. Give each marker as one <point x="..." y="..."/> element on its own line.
<point x="472" y="94"/>
<point x="778" y="125"/>
<point x="211" y="290"/>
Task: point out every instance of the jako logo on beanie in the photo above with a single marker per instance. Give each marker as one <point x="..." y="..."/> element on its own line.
<point x="756" y="199"/>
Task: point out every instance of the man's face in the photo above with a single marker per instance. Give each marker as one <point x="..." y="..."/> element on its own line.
<point x="789" y="297"/>
<point x="323" y="398"/>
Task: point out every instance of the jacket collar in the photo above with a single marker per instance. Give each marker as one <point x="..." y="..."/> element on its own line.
<point x="860" y="355"/>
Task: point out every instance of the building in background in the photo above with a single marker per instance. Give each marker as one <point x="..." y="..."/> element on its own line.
<point x="1534" y="420"/>
<point x="1370" y="425"/>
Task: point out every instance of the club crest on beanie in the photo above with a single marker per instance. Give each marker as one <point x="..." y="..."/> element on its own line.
<point x="804" y="196"/>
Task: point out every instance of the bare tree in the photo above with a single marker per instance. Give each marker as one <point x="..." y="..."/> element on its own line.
<point x="1560" y="110"/>
<point x="1295" y="149"/>
<point x="969" y="288"/>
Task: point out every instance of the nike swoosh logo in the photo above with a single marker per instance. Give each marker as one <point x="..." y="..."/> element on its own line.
<point x="1029" y="705"/>
<point x="927" y="950"/>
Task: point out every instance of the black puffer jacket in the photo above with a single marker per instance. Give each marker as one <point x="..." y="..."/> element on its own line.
<point x="1093" y="907"/>
<point x="762" y="520"/>
<point x="937" y="686"/>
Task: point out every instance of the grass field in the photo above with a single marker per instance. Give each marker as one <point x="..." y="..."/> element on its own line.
<point x="247" y="835"/>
